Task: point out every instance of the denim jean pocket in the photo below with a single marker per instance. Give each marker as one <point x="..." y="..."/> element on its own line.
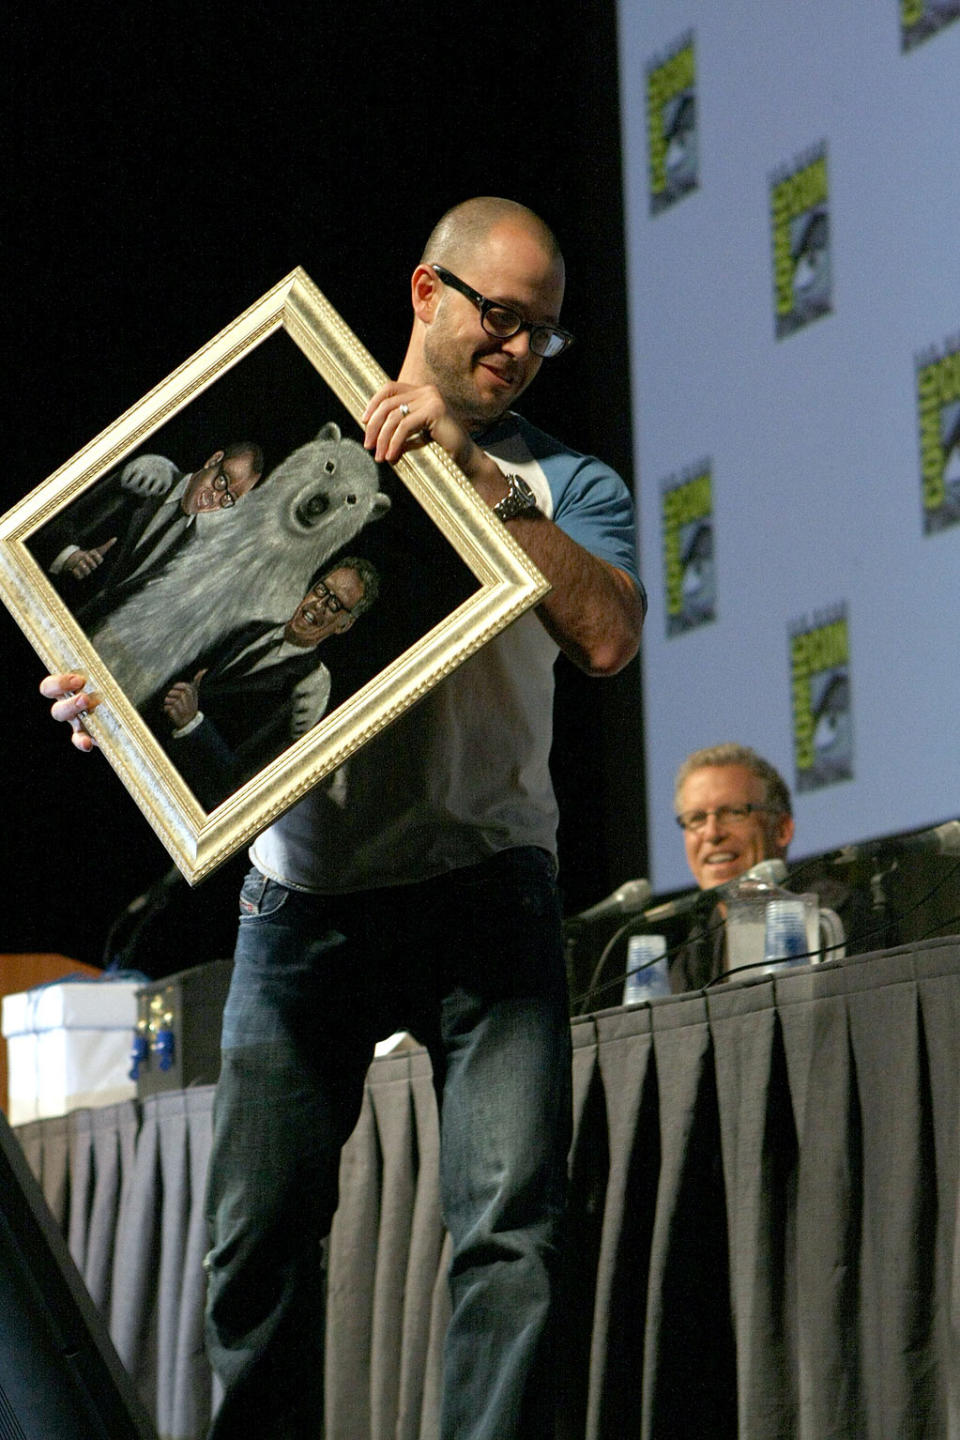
<point x="524" y="876"/>
<point x="261" y="897"/>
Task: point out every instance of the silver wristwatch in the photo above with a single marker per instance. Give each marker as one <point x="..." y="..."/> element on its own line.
<point x="519" y="500"/>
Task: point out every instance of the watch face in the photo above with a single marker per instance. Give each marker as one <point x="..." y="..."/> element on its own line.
<point x="519" y="500"/>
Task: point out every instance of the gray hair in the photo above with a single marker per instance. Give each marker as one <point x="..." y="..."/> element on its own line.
<point x="777" y="794"/>
<point x="367" y="574"/>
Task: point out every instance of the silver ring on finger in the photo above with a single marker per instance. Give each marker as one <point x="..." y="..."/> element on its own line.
<point x="404" y="411"/>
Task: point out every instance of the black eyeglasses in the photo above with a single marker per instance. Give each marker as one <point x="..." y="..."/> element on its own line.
<point x="725" y="815"/>
<point x="221" y="483"/>
<point x="503" y="321"/>
<point x="330" y="600"/>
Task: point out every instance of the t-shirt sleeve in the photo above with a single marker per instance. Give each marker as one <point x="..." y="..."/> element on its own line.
<point x="590" y="502"/>
<point x="594" y="508"/>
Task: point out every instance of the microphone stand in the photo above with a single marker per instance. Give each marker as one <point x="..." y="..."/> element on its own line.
<point x="138" y="915"/>
<point x="617" y="935"/>
<point x="880" y="900"/>
<point x="571" y="940"/>
<point x="703" y="901"/>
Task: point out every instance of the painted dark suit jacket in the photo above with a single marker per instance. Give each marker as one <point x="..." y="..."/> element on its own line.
<point x="248" y="713"/>
<point x="110" y="508"/>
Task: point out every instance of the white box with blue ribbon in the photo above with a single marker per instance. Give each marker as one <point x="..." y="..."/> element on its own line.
<point x="68" y="1046"/>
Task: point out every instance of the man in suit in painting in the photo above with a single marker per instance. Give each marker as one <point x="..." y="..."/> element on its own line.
<point x="263" y="687"/>
<point x="123" y="530"/>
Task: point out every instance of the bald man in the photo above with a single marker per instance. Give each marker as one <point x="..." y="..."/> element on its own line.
<point x="417" y="891"/>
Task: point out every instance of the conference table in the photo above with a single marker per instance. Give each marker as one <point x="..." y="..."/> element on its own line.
<point x="763" y="1221"/>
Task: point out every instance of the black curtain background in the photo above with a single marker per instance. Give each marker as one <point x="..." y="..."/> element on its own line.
<point x="167" y="164"/>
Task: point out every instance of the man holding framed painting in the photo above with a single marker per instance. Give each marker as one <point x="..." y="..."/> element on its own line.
<point x="415" y="889"/>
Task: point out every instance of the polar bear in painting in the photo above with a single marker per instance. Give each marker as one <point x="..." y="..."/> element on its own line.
<point x="253" y="563"/>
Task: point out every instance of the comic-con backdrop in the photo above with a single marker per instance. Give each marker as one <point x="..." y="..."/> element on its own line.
<point x="792" y="199"/>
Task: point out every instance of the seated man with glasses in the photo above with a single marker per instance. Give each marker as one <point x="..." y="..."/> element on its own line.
<point x="125" y="528"/>
<point x="735" y="810"/>
<point x="262" y="688"/>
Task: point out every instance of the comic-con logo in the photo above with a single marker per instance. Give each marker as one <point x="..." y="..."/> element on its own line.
<point x="919" y="19"/>
<point x="800" y="226"/>
<point x="821" y="701"/>
<point x="672" y="125"/>
<point x="686" y="510"/>
<point x="938" y="412"/>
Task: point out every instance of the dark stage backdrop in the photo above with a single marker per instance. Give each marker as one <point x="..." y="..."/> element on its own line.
<point x="165" y="170"/>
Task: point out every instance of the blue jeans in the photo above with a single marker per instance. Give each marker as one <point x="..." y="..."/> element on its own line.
<point x="472" y="964"/>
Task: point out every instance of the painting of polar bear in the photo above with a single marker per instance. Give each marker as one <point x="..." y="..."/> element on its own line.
<point x="254" y="564"/>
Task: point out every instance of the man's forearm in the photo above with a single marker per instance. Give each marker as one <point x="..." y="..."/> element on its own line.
<point x="594" y="611"/>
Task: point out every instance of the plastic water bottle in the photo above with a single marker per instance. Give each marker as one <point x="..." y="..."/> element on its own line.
<point x="647" y="975"/>
<point x="785" y="935"/>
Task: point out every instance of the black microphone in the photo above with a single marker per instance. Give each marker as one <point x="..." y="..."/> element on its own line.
<point x="941" y="840"/>
<point x="629" y="899"/>
<point x="770" y="872"/>
<point x="159" y="888"/>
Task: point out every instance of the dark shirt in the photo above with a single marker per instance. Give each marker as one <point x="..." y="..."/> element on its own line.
<point x="122" y="512"/>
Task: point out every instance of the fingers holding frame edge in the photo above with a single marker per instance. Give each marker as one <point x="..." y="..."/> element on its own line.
<point x="70" y="704"/>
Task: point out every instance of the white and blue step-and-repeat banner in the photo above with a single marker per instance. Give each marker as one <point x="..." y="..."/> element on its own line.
<point x="792" y="195"/>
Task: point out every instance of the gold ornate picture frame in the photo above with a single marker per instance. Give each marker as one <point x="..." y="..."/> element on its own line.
<point x="289" y="376"/>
